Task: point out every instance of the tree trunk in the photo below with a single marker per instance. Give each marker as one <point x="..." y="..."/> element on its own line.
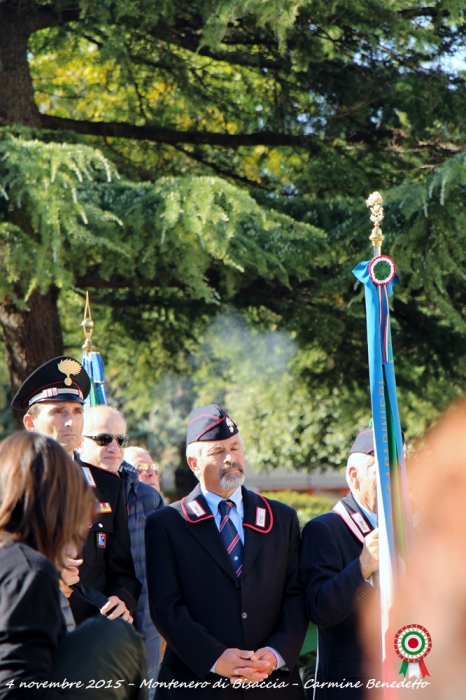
<point x="31" y="337"/>
<point x="17" y="104"/>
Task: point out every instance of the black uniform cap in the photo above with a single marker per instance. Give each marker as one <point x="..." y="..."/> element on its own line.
<point x="60" y="379"/>
<point x="210" y="423"/>
<point x="364" y="442"/>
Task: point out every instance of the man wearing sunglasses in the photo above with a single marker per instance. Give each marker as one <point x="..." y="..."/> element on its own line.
<point x="148" y="470"/>
<point x="52" y="398"/>
<point x="104" y="440"/>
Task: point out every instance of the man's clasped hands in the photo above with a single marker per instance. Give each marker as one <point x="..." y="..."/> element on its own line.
<point x="242" y="666"/>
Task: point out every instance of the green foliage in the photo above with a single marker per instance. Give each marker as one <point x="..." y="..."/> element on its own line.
<point x="306" y="505"/>
<point x="257" y="376"/>
<point x="57" y="214"/>
<point x="43" y="216"/>
<point x="374" y="85"/>
<point x="374" y="94"/>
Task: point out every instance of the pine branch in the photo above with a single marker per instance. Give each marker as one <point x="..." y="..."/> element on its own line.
<point x="173" y="136"/>
<point x="190" y="41"/>
<point x="220" y="171"/>
<point x="431" y="12"/>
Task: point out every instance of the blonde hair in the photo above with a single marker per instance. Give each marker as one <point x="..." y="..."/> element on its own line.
<point x="45" y="500"/>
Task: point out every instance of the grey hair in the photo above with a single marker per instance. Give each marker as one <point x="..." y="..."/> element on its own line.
<point x="361" y="462"/>
<point x="194" y="449"/>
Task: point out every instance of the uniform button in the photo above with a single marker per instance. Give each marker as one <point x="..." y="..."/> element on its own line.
<point x="100" y="525"/>
<point x="237" y="584"/>
<point x="244" y="615"/>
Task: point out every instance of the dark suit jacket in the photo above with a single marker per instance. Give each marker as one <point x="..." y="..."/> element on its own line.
<point x="30" y="620"/>
<point x="108" y="565"/>
<point x="201" y="608"/>
<point x="335" y="590"/>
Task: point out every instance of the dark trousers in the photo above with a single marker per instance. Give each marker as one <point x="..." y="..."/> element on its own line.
<point x="107" y="656"/>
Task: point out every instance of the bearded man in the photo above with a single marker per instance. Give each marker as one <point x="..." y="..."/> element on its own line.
<point x="230" y="602"/>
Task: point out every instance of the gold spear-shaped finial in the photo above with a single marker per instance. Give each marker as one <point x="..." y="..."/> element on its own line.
<point x="88" y="326"/>
<point x="374" y="201"/>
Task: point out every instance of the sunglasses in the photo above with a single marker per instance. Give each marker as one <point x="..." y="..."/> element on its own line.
<point x="145" y="467"/>
<point x="105" y="439"/>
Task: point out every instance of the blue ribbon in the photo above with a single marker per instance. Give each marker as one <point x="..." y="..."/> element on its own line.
<point x="94" y="366"/>
<point x="382" y="380"/>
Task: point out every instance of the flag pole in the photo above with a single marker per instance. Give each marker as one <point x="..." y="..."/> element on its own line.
<point x="92" y="361"/>
<point x="378" y="276"/>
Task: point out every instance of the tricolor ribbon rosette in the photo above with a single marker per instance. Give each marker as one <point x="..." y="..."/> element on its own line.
<point x="412" y="644"/>
<point x="382" y="271"/>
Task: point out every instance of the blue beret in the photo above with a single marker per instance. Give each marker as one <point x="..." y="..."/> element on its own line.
<point x="210" y="423"/>
<point x="60" y="379"/>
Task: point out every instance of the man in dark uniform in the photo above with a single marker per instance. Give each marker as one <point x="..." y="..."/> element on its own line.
<point x="52" y="398"/>
<point x="230" y="602"/>
<point x="338" y="560"/>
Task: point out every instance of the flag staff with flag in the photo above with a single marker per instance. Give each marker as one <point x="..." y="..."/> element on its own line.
<point x="92" y="361"/>
<point x="394" y="518"/>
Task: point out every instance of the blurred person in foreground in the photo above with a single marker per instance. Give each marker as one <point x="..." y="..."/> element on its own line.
<point x="45" y="508"/>
<point x="338" y="559"/>
<point x="223" y="578"/>
<point x="52" y="399"/>
<point x="148" y="470"/>
<point x="141" y="500"/>
<point x="434" y="592"/>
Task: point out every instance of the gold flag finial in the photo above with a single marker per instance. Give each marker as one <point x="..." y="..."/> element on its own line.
<point x="88" y="326"/>
<point x="374" y="201"/>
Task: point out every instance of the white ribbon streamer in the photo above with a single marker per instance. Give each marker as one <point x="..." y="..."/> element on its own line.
<point x="414" y="670"/>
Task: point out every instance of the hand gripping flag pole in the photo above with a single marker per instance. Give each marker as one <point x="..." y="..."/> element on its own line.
<point x="92" y="362"/>
<point x="394" y="519"/>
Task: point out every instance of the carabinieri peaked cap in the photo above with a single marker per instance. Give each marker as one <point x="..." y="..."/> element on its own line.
<point x="60" y="379"/>
<point x="210" y="423"/>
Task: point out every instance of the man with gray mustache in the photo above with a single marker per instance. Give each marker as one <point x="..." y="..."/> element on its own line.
<point x="230" y="602"/>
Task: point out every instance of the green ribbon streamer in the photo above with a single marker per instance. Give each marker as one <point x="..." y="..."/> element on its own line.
<point x="404" y="668"/>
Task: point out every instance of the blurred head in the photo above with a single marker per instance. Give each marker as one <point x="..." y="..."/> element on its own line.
<point x="104" y="438"/>
<point x="218" y="464"/>
<point x="148" y="470"/>
<point x="361" y="478"/>
<point x="433" y="592"/>
<point x="60" y="420"/>
<point x="45" y="500"/>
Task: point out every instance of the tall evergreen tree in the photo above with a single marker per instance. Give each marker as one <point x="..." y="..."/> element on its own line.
<point x="243" y="132"/>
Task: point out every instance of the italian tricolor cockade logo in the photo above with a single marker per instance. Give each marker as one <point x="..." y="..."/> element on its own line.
<point x="412" y="644"/>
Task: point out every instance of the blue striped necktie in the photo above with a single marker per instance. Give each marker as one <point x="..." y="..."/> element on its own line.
<point x="230" y="536"/>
